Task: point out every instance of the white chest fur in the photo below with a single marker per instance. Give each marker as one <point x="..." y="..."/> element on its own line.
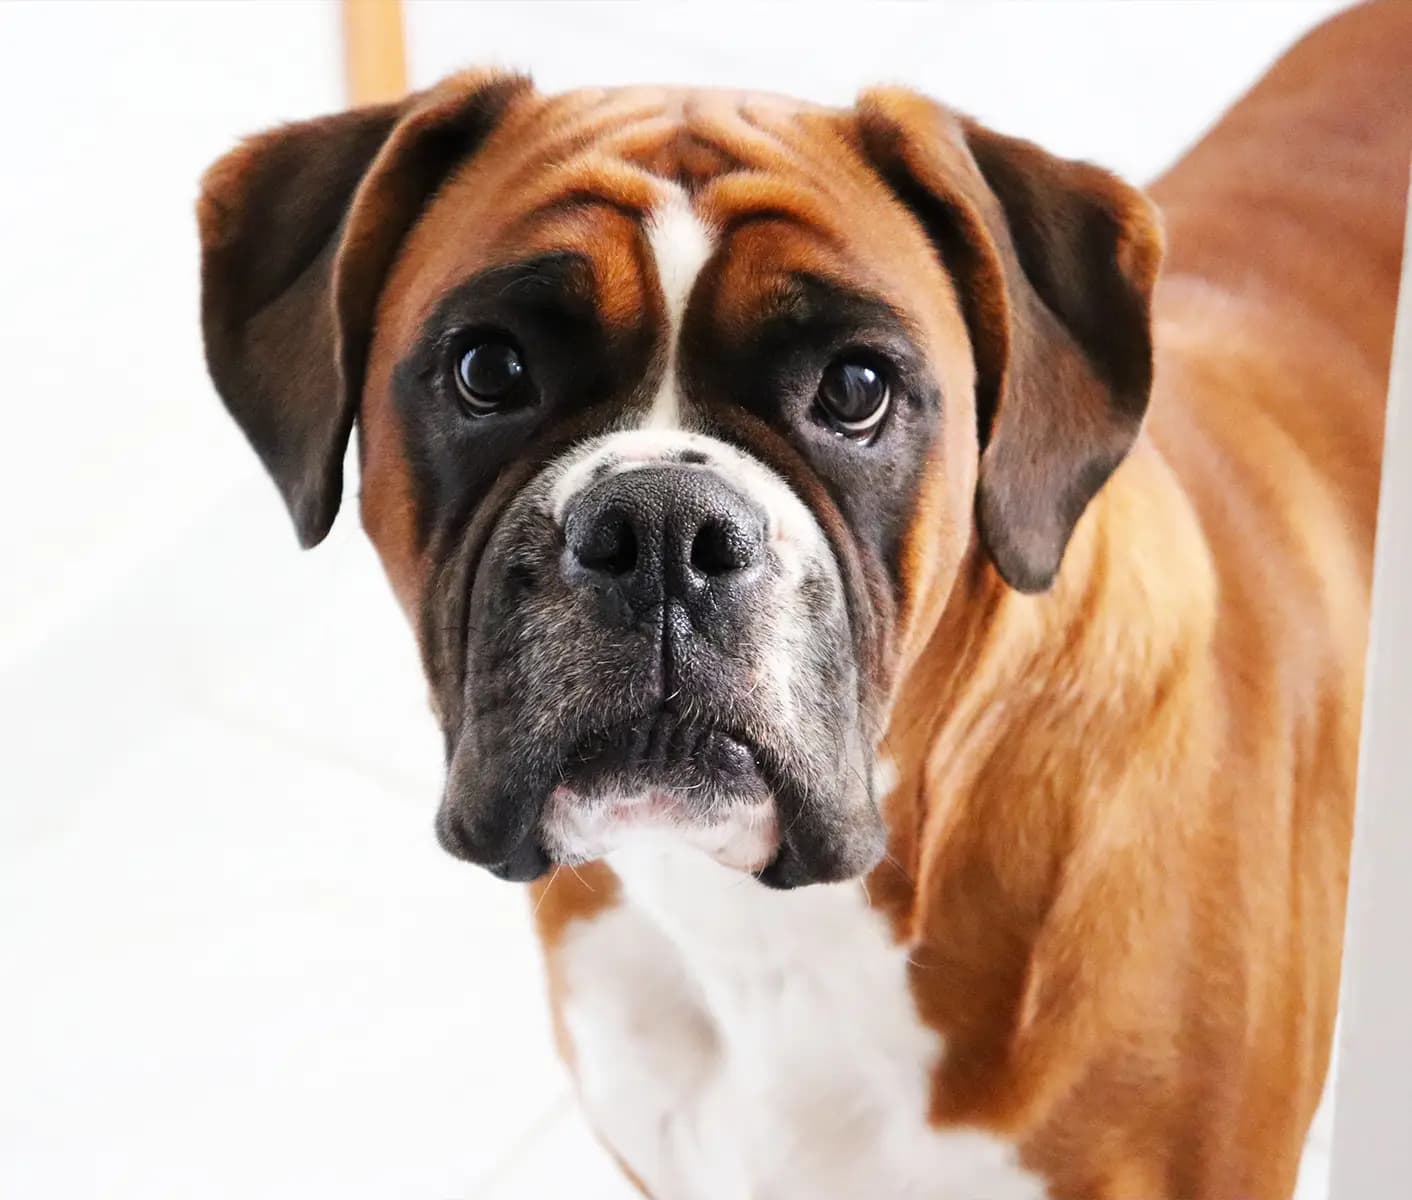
<point x="731" y="1041"/>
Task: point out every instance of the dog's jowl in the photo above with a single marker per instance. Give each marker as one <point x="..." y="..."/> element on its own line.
<point x="918" y="584"/>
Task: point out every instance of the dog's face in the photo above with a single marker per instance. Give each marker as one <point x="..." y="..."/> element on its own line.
<point x="680" y="415"/>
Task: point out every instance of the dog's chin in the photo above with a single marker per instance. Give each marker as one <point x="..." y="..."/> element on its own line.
<point x="742" y="833"/>
<point x="697" y="785"/>
<point x="658" y="775"/>
<point x="700" y="789"/>
<point x="667" y="780"/>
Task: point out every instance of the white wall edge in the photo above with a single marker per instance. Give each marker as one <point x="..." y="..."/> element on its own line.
<point x="1372" y="1147"/>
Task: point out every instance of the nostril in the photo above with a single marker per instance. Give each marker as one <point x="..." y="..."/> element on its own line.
<point x="721" y="547"/>
<point x="643" y="536"/>
<point x="610" y="546"/>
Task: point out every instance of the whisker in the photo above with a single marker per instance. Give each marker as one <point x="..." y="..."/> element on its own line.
<point x="539" y="903"/>
<point x="888" y="856"/>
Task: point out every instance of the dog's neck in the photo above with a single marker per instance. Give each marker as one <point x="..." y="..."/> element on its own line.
<point x="1019" y="736"/>
<point x="1022" y="719"/>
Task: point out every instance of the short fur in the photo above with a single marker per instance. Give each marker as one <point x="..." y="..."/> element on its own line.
<point x="1106" y="580"/>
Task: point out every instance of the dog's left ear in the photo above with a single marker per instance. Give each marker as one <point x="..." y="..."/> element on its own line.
<point x="1054" y="263"/>
<point x="299" y="227"/>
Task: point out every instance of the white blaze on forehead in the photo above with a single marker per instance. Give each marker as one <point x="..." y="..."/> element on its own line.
<point x="681" y="245"/>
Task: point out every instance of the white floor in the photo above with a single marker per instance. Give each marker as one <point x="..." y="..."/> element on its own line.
<point x="233" y="962"/>
<point x="236" y="962"/>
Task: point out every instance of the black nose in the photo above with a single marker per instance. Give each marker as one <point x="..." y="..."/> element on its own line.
<point x="649" y="535"/>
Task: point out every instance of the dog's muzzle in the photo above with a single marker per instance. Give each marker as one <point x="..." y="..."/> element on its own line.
<point x="660" y="651"/>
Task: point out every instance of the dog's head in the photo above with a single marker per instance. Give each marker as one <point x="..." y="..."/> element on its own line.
<point x="679" y="415"/>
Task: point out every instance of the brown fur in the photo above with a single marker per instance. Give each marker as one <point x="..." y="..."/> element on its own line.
<point x="1120" y="836"/>
<point x="1134" y="794"/>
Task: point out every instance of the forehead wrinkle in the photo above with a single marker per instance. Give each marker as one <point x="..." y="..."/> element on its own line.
<point x="743" y="198"/>
<point x="771" y="269"/>
<point x="638" y="139"/>
<point x="819" y="150"/>
<point x="545" y="138"/>
<point x="815" y="171"/>
<point x="555" y="109"/>
<point x="622" y="275"/>
<point x="599" y="207"/>
<point x="612" y="245"/>
<point x="565" y="120"/>
<point x="687" y="137"/>
<point x="728" y="127"/>
<point x="593" y="179"/>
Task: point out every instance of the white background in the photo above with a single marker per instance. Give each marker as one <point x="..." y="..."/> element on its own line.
<point x="232" y="960"/>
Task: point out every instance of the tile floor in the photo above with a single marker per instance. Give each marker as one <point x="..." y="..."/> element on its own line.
<point x="233" y="962"/>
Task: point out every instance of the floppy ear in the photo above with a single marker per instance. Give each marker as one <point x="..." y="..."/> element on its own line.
<point x="1054" y="262"/>
<point x="299" y="227"/>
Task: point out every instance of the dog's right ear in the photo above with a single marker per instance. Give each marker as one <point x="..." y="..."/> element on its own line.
<point x="299" y="227"/>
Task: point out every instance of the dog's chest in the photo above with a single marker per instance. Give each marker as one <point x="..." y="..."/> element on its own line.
<point x="731" y="1041"/>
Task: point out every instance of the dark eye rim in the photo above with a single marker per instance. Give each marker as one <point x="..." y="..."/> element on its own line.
<point x="473" y="404"/>
<point x="866" y="430"/>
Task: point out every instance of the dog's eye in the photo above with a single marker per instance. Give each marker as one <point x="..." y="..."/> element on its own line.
<point x="489" y="375"/>
<point x="854" y="397"/>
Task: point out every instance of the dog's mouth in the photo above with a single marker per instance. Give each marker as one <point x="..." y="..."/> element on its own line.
<point x="788" y="813"/>
<point x="702" y="762"/>
<point x="707" y="786"/>
<point x="696" y="784"/>
<point x="707" y="790"/>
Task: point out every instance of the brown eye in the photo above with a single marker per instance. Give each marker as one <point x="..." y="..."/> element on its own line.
<point x="488" y="376"/>
<point x="854" y="397"/>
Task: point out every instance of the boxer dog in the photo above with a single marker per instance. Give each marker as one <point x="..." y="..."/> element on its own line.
<point x="910" y="637"/>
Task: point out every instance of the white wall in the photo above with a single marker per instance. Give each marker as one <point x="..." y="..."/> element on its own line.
<point x="111" y="112"/>
<point x="1125" y="84"/>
